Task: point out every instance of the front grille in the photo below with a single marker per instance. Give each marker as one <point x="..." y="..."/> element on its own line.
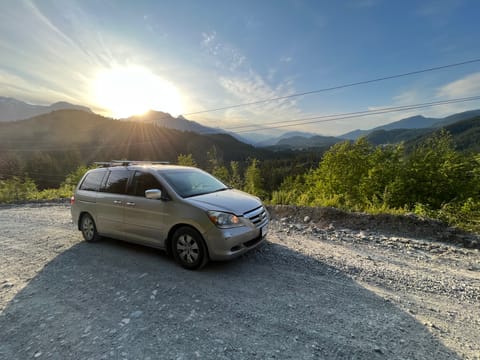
<point x="258" y="216"/>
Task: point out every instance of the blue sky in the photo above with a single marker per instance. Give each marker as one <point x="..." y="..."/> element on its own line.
<point x="213" y="54"/>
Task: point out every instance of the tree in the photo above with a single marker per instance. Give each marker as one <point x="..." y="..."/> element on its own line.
<point x="253" y="179"/>
<point x="379" y="186"/>
<point x="436" y="174"/>
<point x="186" y="160"/>
<point x="340" y="173"/>
<point x="235" y="180"/>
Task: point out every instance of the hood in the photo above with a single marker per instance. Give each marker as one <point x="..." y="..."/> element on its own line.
<point x="232" y="201"/>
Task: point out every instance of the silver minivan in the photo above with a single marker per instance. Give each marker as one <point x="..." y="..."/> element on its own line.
<point x="183" y="210"/>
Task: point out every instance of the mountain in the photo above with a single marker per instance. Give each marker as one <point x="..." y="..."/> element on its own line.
<point x="166" y="120"/>
<point x="162" y="119"/>
<point x="13" y="109"/>
<point x="355" y="134"/>
<point x="274" y="140"/>
<point x="301" y="142"/>
<point x="395" y="136"/>
<point x="465" y="134"/>
<point x="50" y="145"/>
<point x="413" y="122"/>
<point x="458" y="117"/>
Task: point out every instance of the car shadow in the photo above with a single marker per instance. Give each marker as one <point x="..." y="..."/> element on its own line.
<point x="113" y="300"/>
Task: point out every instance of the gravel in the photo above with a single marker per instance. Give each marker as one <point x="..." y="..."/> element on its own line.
<point x="325" y="285"/>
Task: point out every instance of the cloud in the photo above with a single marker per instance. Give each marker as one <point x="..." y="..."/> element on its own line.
<point x="467" y="86"/>
<point x="226" y="56"/>
<point x="241" y="84"/>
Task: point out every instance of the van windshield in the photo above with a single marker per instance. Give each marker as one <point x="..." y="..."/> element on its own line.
<point x="188" y="183"/>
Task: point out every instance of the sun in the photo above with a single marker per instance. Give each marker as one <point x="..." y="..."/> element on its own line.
<point x="133" y="90"/>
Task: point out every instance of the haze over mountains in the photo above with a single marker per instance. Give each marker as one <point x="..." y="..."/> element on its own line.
<point x="402" y="130"/>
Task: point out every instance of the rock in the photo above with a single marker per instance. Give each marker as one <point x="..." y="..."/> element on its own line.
<point x="136" y="314"/>
<point x="7" y="285"/>
<point x="306" y="219"/>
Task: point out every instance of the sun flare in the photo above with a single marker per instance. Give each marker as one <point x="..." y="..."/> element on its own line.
<point x="133" y="90"/>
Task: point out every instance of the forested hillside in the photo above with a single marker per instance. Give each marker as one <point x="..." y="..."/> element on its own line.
<point x="47" y="147"/>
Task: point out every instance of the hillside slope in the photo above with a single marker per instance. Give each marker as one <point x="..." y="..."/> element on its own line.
<point x="56" y="143"/>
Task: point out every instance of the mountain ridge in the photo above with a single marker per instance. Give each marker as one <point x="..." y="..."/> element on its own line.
<point x="12" y="109"/>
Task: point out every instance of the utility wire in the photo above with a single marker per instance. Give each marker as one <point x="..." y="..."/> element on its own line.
<point x="329" y="118"/>
<point x="336" y="87"/>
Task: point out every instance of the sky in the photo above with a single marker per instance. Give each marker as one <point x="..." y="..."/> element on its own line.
<point x="123" y="57"/>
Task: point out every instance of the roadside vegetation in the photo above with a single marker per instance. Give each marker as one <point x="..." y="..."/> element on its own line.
<point x="432" y="179"/>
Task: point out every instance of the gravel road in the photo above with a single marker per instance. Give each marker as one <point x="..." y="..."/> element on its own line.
<point x="315" y="290"/>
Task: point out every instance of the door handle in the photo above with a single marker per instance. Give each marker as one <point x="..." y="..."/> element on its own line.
<point x="117" y="202"/>
<point x="130" y="204"/>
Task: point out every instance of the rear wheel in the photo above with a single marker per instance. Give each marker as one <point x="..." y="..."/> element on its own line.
<point x="189" y="249"/>
<point x="88" y="228"/>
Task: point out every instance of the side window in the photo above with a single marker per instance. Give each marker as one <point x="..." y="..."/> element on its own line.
<point x="117" y="182"/>
<point x="143" y="181"/>
<point x="92" y="181"/>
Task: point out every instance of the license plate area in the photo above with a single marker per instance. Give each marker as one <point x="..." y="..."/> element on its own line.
<point x="264" y="230"/>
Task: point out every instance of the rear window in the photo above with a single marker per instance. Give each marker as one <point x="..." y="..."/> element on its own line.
<point x="92" y="181"/>
<point x="117" y="182"/>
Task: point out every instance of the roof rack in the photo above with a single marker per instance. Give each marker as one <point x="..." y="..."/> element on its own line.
<point x="128" y="162"/>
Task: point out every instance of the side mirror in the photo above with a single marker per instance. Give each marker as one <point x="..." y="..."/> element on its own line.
<point x="153" y="194"/>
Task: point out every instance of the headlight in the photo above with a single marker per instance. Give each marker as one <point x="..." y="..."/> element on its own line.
<point x="224" y="220"/>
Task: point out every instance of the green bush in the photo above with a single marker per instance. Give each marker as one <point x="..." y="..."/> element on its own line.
<point x="16" y="189"/>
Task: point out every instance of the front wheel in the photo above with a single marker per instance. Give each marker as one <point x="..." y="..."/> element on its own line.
<point x="88" y="228"/>
<point x="189" y="249"/>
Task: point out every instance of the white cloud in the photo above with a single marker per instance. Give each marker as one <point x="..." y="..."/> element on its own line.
<point x="226" y="56"/>
<point x="241" y="84"/>
<point x="465" y="87"/>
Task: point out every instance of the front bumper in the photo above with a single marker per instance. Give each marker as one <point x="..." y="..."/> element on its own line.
<point x="225" y="244"/>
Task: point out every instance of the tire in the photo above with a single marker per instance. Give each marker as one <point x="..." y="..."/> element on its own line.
<point x="189" y="249"/>
<point x="88" y="229"/>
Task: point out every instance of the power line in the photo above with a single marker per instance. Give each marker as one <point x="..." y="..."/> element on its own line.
<point x="383" y="78"/>
<point x="352" y="115"/>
